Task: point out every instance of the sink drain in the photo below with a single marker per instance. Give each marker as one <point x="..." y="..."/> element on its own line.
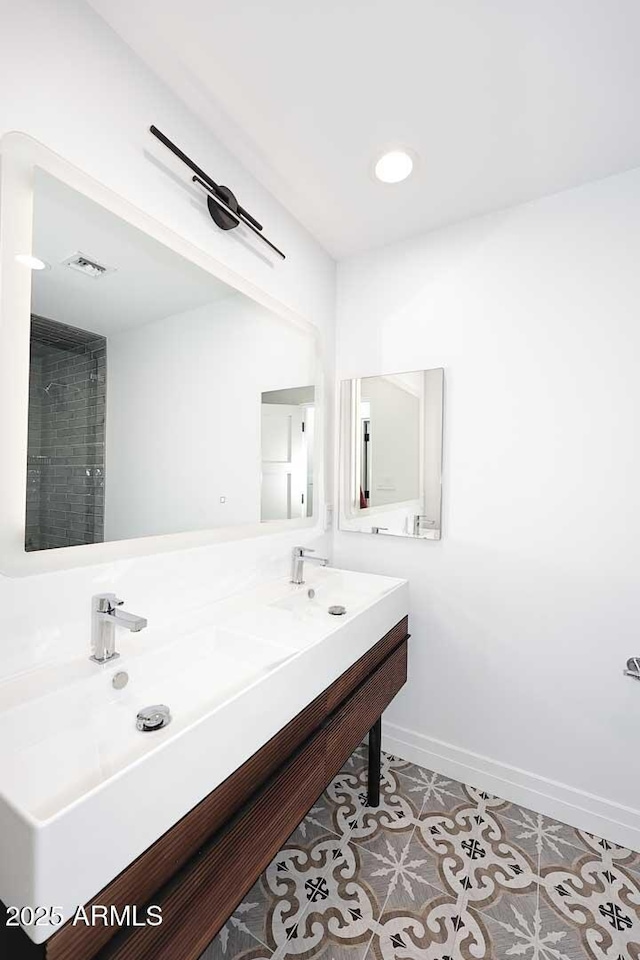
<point x="153" y="718"/>
<point x="338" y="610"/>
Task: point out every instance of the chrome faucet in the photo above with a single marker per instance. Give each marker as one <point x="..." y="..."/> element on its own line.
<point x="105" y="615"/>
<point x="420" y="521"/>
<point x="298" y="556"/>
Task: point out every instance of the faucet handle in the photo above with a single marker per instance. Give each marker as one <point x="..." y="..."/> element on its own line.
<point x="302" y="551"/>
<point x="104" y="602"/>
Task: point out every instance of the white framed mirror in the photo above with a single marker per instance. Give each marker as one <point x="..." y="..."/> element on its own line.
<point x="391" y="434"/>
<point x="162" y="402"/>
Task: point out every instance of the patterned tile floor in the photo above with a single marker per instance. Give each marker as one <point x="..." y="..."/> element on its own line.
<point x="439" y="871"/>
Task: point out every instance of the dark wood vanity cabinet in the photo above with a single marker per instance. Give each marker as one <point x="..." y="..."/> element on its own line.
<point x="202" y="868"/>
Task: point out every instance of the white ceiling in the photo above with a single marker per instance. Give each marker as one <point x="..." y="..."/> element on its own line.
<point x="503" y="100"/>
<point x="149" y="281"/>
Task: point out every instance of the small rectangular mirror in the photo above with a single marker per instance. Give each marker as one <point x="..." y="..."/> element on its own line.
<point x="391" y="454"/>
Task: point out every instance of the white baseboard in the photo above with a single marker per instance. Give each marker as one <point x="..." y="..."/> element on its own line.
<point x="579" y="809"/>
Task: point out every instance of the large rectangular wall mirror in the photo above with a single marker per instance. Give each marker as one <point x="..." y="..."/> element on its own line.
<point x="391" y="454"/>
<point x="161" y="400"/>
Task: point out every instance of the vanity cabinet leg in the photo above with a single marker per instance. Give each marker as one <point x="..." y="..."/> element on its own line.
<point x="375" y="748"/>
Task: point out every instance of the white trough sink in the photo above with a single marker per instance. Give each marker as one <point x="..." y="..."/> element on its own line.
<point x="313" y="599"/>
<point x="83" y="792"/>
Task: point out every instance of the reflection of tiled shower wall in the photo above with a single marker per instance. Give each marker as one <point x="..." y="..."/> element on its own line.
<point x="66" y="452"/>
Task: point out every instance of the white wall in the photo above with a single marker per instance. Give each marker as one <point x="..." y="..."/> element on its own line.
<point x="68" y="81"/>
<point x="524" y="614"/>
<point x="183" y="415"/>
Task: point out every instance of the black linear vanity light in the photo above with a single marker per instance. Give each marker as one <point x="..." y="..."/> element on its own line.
<point x="223" y="206"/>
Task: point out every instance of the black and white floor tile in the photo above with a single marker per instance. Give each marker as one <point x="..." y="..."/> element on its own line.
<point x="439" y="871"/>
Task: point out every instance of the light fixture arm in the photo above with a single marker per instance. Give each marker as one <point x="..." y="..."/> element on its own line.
<point x="225" y="210"/>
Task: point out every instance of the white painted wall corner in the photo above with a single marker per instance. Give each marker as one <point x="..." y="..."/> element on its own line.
<point x="579" y="809"/>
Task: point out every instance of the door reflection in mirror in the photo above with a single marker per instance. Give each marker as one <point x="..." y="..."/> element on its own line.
<point x="288" y="432"/>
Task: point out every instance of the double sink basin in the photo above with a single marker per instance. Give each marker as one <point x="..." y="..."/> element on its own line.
<point x="83" y="792"/>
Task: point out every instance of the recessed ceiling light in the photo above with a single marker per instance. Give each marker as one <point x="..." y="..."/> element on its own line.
<point x="33" y="263"/>
<point x="394" y="166"/>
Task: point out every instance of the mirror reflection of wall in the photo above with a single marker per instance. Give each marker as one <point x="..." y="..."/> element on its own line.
<point x="390" y="418"/>
<point x="288" y="435"/>
<point x="391" y="454"/>
<point x="145" y="385"/>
